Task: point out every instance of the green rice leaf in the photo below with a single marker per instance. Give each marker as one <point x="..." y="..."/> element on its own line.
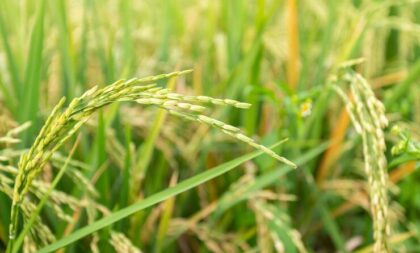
<point x="150" y="201"/>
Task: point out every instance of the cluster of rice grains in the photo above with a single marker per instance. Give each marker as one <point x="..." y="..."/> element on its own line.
<point x="122" y="244"/>
<point x="368" y="116"/>
<point x="63" y="123"/>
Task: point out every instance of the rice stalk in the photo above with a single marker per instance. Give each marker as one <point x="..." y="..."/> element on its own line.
<point x="368" y="116"/>
<point x="60" y="126"/>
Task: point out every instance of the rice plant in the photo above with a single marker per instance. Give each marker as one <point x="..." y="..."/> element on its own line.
<point x="294" y="128"/>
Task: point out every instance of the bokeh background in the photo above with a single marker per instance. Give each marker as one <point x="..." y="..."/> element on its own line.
<point x="279" y="56"/>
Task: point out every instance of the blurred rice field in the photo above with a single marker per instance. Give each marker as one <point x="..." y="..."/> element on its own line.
<point x="316" y="73"/>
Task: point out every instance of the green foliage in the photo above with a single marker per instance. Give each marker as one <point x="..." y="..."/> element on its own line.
<point x="283" y="57"/>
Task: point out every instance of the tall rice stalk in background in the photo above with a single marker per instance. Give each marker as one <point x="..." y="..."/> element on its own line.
<point x="368" y="117"/>
<point x="60" y="126"/>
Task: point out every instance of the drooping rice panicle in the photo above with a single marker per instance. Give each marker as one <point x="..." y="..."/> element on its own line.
<point x="60" y="126"/>
<point x="368" y="116"/>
